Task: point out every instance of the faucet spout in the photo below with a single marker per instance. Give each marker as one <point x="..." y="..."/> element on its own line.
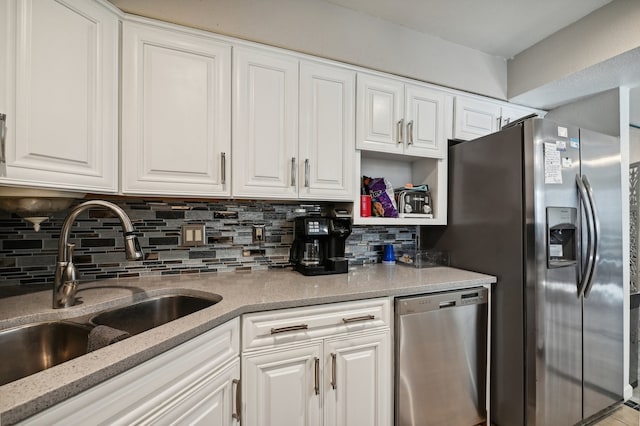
<point x="66" y="281"/>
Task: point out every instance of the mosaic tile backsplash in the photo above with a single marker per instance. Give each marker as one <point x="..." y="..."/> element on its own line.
<point x="28" y="257"/>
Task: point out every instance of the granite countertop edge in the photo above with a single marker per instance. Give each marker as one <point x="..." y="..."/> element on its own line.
<point x="242" y="292"/>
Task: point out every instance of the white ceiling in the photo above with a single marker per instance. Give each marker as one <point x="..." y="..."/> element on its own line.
<point x="498" y="27"/>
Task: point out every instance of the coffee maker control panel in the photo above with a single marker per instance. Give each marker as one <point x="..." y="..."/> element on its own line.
<point x="317" y="227"/>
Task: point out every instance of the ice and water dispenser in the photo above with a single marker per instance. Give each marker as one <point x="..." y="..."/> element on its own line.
<point x="562" y="231"/>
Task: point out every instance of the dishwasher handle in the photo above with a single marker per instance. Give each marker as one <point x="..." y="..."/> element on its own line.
<point x="433" y="302"/>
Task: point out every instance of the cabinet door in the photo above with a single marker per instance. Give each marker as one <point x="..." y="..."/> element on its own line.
<point x="327" y="132"/>
<point x="425" y="127"/>
<point x="60" y="87"/>
<point x="265" y="124"/>
<point x="188" y="384"/>
<point x="380" y="123"/>
<point x="279" y="387"/>
<point x="511" y="113"/>
<point x="358" y="380"/>
<point x="210" y="401"/>
<point x="474" y="118"/>
<point x="176" y="120"/>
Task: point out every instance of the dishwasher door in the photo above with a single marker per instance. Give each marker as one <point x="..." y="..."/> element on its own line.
<point x="441" y="358"/>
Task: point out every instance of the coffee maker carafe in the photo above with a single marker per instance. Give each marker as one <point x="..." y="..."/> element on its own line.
<point x="318" y="245"/>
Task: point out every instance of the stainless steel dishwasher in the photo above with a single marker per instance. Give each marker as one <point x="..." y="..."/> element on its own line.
<point x="440" y="356"/>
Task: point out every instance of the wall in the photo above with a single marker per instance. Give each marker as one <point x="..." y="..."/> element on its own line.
<point x="634" y="145"/>
<point x="27" y="258"/>
<point x="600" y="113"/>
<point x="327" y="30"/>
<point x="598" y="52"/>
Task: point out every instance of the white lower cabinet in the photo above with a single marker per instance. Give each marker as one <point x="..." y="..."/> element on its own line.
<point x="322" y="365"/>
<point x="279" y="387"/>
<point x="358" y="380"/>
<point x="194" y="383"/>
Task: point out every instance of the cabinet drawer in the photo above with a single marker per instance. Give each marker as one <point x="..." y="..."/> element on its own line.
<point x="266" y="329"/>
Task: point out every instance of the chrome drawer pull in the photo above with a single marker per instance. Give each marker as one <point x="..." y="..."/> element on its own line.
<point x="289" y="328"/>
<point x="399" y="127"/>
<point x="223" y="168"/>
<point x="316" y="387"/>
<point x="410" y="133"/>
<point x="356" y="319"/>
<point x="293" y="171"/>
<point x="238" y="406"/>
<point x="334" y="361"/>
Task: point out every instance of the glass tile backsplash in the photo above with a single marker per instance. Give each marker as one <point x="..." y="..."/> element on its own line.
<point x="28" y="257"/>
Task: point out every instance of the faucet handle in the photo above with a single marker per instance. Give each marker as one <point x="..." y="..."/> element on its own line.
<point x="66" y="294"/>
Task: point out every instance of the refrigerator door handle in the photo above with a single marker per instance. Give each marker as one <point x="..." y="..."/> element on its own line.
<point x="588" y="267"/>
<point x="596" y="234"/>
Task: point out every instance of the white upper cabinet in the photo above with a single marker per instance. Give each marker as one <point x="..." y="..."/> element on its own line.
<point x="293" y="127"/>
<point x="474" y="118"/>
<point x="327" y="131"/>
<point x="176" y="112"/>
<point x="59" y="87"/>
<point x="265" y="124"/>
<point x="380" y="114"/>
<point x="511" y="113"/>
<point x="401" y="118"/>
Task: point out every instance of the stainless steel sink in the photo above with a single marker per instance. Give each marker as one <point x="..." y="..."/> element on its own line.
<point x="150" y="313"/>
<point x="34" y="347"/>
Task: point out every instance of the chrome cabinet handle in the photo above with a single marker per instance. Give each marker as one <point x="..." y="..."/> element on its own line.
<point x="293" y="171"/>
<point x="334" y="361"/>
<point x="316" y="387"/>
<point x="399" y="128"/>
<point x="356" y="319"/>
<point x="410" y="133"/>
<point x="306" y="173"/>
<point x="289" y="328"/>
<point x="223" y="167"/>
<point x="238" y="406"/>
<point x="3" y="148"/>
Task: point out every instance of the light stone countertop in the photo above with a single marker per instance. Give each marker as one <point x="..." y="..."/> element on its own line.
<point x="241" y="292"/>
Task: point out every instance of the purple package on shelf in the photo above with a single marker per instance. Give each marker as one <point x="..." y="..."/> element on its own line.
<point x="382" y="200"/>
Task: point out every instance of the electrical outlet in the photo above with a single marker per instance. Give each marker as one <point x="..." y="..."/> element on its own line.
<point x="258" y="233"/>
<point x="193" y="235"/>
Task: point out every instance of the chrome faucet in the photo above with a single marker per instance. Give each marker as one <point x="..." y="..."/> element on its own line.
<point x="66" y="281"/>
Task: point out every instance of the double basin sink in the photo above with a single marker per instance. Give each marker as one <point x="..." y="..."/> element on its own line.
<point x="38" y="346"/>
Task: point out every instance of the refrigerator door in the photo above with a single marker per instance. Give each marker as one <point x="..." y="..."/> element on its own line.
<point x="552" y="305"/>
<point x="486" y="220"/>
<point x="603" y="300"/>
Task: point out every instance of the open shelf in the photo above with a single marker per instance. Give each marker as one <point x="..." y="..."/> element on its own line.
<point x="400" y="170"/>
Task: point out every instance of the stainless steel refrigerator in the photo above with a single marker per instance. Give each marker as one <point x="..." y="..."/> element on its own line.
<point x="539" y="206"/>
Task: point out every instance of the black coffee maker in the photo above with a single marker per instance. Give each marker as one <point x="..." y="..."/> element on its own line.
<point x="318" y="245"/>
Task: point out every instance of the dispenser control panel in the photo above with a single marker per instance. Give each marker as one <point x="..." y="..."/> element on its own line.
<point x="317" y="226"/>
